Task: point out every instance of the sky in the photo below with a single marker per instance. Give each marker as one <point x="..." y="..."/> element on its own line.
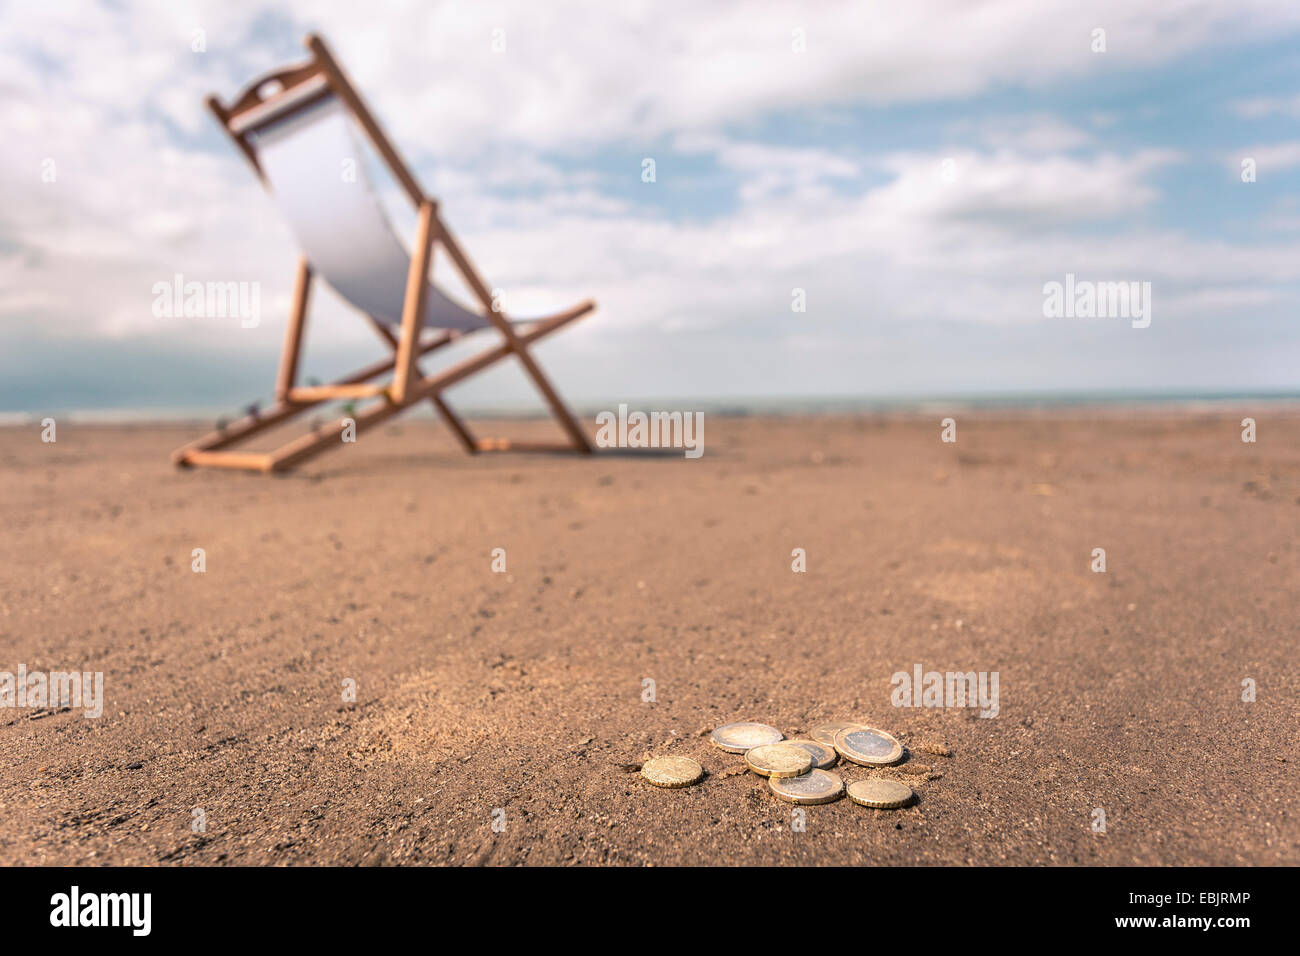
<point x="915" y="173"/>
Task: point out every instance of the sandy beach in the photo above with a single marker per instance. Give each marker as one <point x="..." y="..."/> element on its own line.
<point x="499" y="717"/>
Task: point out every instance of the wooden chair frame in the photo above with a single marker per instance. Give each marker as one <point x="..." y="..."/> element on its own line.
<point x="303" y="85"/>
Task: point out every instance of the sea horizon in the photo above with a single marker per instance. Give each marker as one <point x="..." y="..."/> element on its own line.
<point x="738" y="406"/>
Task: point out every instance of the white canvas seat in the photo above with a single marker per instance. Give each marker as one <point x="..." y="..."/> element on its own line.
<point x="312" y="162"/>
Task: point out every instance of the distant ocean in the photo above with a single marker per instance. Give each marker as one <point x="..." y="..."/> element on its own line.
<point x="756" y="406"/>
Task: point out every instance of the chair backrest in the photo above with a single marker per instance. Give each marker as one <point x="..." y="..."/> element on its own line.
<point x="311" y="159"/>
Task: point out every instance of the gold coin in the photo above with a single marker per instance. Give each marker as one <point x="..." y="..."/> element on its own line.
<point x="737" y="738"/>
<point x="823" y="755"/>
<point x="880" y="793"/>
<point x="672" y="772"/>
<point x="825" y="733"/>
<point x="778" y="760"/>
<point x="868" y="746"/>
<point x="816" y="786"/>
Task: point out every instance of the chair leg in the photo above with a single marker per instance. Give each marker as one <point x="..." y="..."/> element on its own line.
<point x="417" y="287"/>
<point x="293" y="331"/>
<point x="581" y="442"/>
<point x="455" y="424"/>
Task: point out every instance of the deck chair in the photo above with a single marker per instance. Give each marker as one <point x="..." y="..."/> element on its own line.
<point x="296" y="127"/>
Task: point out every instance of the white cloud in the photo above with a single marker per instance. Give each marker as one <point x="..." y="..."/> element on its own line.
<point x="1261" y="107"/>
<point x="146" y="187"/>
<point x="1037" y="132"/>
<point x="1012" y="190"/>
<point x="574" y="73"/>
<point x="1268" y="158"/>
<point x="765" y="170"/>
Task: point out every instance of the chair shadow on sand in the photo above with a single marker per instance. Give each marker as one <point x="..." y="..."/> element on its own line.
<point x="639" y="453"/>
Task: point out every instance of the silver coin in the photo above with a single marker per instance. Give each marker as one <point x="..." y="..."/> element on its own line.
<point x="868" y="746"/>
<point x="817" y="786"/>
<point x="739" y="737"/>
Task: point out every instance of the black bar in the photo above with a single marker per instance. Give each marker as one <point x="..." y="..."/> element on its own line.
<point x="939" y="906"/>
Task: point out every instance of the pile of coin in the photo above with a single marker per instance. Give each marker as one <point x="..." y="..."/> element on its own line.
<point x="796" y="769"/>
